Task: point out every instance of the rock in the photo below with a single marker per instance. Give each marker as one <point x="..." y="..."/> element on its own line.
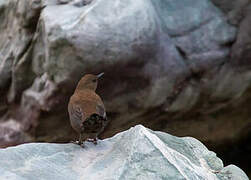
<point x="18" y="26"/>
<point x="241" y="49"/>
<point x="235" y="10"/>
<point x="64" y="1"/>
<point x="152" y="58"/>
<point x="138" y="153"/>
<point x="239" y="14"/>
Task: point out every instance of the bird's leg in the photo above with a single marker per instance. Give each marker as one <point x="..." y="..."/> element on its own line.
<point x="80" y="136"/>
<point x="95" y="141"/>
<point x="79" y="142"/>
<point x="80" y="139"/>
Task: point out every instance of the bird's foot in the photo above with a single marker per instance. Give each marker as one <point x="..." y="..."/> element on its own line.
<point x="95" y="140"/>
<point x="77" y="142"/>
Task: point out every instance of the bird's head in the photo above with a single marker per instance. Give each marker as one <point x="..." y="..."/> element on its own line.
<point x="89" y="81"/>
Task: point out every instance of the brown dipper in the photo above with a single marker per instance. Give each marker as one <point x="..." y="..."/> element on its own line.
<point x="86" y="109"/>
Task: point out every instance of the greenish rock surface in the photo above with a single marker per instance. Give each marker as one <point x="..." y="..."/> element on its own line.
<point x="138" y="153"/>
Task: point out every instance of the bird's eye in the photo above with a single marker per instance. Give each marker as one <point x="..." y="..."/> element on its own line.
<point x="94" y="80"/>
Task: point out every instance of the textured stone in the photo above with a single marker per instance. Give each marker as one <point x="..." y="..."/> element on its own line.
<point x="241" y="50"/>
<point x="235" y="10"/>
<point x="144" y="55"/>
<point x="138" y="153"/>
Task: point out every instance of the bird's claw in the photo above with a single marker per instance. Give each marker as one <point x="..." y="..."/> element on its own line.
<point x="77" y="142"/>
<point x="93" y="140"/>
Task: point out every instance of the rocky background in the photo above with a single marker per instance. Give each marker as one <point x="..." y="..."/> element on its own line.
<point x="177" y="66"/>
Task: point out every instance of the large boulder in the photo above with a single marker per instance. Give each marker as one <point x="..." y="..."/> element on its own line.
<point x="138" y="153"/>
<point x="152" y="52"/>
<point x="241" y="50"/>
<point x="234" y="10"/>
<point x="239" y="14"/>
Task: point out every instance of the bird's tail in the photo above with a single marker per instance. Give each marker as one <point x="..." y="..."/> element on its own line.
<point x="94" y="119"/>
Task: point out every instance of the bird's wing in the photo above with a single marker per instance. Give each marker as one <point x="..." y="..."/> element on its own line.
<point x="76" y="112"/>
<point x="86" y="104"/>
<point x="101" y="110"/>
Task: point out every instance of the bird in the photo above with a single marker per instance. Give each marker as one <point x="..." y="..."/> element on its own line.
<point x="86" y="110"/>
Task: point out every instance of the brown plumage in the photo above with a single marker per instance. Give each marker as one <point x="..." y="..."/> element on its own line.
<point x="86" y="109"/>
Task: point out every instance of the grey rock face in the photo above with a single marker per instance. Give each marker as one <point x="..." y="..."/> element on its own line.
<point x="17" y="29"/>
<point x="238" y="13"/>
<point x="241" y="50"/>
<point x="156" y="55"/>
<point x="138" y="153"/>
<point x="235" y="10"/>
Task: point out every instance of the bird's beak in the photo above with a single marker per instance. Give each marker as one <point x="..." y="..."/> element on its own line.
<point x="99" y="75"/>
